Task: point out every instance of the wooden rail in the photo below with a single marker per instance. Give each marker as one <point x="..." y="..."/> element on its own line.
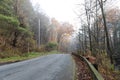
<point x="95" y="74"/>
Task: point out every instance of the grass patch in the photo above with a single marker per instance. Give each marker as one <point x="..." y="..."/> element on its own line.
<point x="28" y="56"/>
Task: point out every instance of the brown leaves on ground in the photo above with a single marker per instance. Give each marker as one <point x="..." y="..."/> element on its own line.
<point x="109" y="74"/>
<point x="82" y="71"/>
<point x="106" y="69"/>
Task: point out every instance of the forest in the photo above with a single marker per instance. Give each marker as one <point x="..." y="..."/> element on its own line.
<point x="25" y="28"/>
<point x="99" y="35"/>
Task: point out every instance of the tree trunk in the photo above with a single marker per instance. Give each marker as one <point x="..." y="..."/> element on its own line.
<point x="109" y="51"/>
<point x="88" y="23"/>
<point x="15" y="39"/>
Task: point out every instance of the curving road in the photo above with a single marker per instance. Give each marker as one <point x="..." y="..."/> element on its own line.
<point x="50" y="67"/>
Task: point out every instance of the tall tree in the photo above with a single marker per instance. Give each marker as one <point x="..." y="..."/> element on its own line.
<point x="109" y="50"/>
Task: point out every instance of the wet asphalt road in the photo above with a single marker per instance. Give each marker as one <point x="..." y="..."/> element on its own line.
<point x="50" y="67"/>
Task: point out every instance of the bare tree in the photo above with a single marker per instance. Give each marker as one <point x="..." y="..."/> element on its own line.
<point x="109" y="50"/>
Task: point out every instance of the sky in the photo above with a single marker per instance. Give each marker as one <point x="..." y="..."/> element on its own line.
<point x="62" y="10"/>
<point x="65" y="10"/>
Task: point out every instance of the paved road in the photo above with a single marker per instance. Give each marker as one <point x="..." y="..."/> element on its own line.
<point x="50" y="67"/>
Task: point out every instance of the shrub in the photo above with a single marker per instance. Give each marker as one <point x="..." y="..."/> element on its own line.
<point x="10" y="52"/>
<point x="51" y="46"/>
<point x="41" y="49"/>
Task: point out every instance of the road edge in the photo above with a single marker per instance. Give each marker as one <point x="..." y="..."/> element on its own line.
<point x="74" y="68"/>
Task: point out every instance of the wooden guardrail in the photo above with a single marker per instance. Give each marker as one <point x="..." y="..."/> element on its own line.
<point x="95" y="74"/>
